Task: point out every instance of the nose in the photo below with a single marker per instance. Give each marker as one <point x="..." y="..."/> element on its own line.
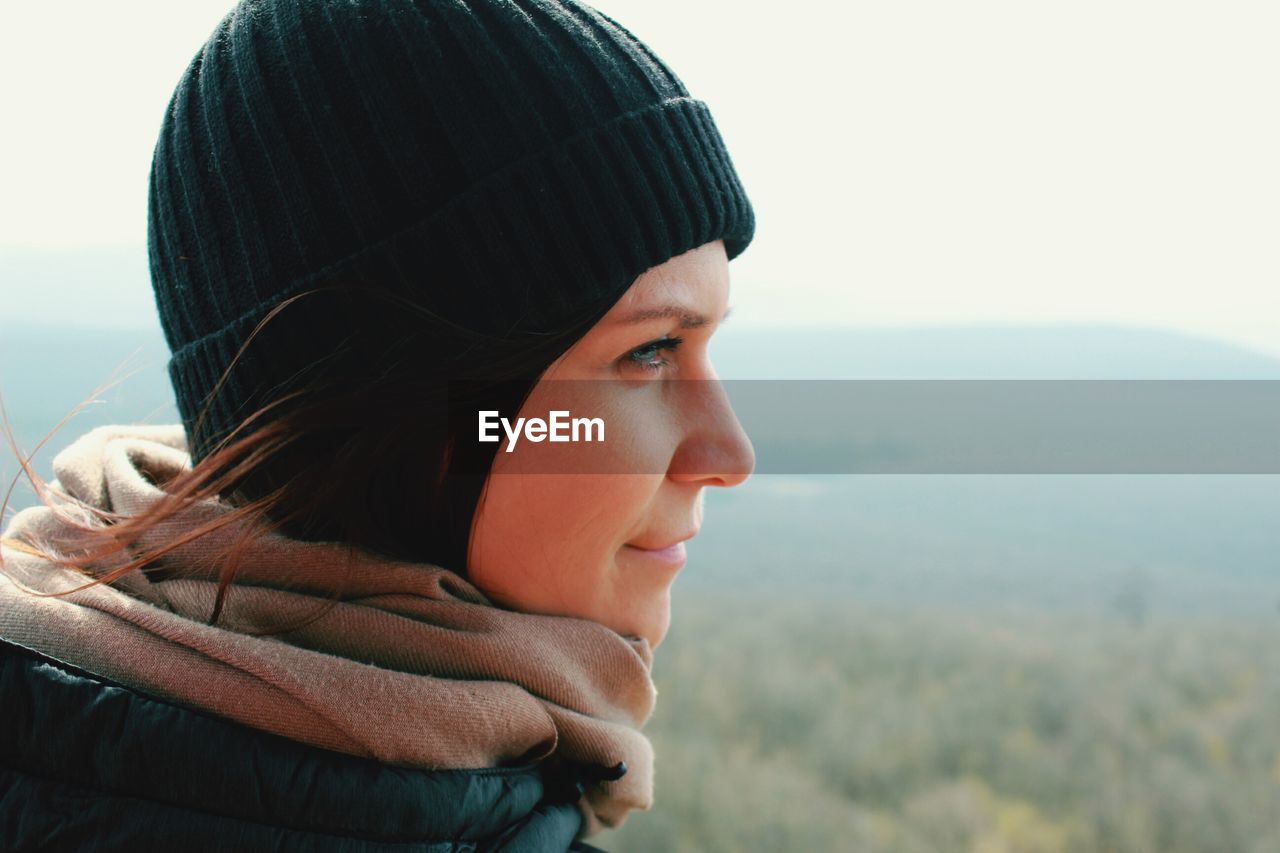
<point x="715" y="450"/>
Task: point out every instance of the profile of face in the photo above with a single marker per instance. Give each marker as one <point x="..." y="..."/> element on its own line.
<point x="596" y="545"/>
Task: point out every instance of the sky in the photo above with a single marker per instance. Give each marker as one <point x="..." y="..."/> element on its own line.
<point x="910" y="163"/>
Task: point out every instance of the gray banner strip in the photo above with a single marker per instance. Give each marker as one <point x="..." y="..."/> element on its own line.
<point x="930" y="426"/>
<point x="1012" y="427"/>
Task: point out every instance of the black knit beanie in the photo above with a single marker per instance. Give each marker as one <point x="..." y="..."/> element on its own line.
<point x="502" y="163"/>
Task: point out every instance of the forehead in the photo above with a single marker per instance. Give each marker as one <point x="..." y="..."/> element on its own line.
<point x="691" y="288"/>
<point x="688" y="316"/>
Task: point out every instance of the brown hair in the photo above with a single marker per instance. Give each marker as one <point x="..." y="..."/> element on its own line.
<point x="338" y="463"/>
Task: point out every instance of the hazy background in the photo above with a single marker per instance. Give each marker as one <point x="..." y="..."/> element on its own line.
<point x="984" y="190"/>
<point x="909" y="162"/>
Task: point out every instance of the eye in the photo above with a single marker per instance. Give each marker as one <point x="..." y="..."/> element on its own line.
<point x="644" y="357"/>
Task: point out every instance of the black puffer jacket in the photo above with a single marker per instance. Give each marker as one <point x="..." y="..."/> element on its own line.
<point x="88" y="764"/>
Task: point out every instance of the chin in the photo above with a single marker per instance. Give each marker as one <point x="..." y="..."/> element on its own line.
<point x="655" y="629"/>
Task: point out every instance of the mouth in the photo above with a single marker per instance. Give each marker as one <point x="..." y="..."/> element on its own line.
<point x="670" y="543"/>
<point x="671" y="556"/>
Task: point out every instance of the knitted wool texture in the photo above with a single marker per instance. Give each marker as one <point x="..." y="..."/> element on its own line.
<point x="501" y="164"/>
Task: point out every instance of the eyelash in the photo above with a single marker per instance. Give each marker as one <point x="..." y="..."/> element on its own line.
<point x="637" y="356"/>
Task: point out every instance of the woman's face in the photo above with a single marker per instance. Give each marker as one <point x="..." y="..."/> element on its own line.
<point x="581" y="544"/>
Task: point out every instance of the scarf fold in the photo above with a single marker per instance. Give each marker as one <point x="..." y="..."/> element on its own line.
<point x="413" y="666"/>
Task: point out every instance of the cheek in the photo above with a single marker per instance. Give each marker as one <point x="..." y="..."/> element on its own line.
<point x="642" y="428"/>
<point x="546" y="535"/>
<point x="548" y="541"/>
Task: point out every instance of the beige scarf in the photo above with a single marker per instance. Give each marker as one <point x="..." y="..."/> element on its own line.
<point x="413" y="667"/>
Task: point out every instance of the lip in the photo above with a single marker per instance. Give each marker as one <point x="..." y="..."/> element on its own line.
<point x="672" y="556"/>
<point x="672" y="544"/>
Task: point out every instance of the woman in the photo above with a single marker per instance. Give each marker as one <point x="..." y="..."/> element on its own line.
<point x="321" y="613"/>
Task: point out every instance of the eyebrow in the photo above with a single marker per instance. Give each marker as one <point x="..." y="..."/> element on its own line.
<point x="688" y="319"/>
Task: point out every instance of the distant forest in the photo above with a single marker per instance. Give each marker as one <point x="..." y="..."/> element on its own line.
<point x="918" y="664"/>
